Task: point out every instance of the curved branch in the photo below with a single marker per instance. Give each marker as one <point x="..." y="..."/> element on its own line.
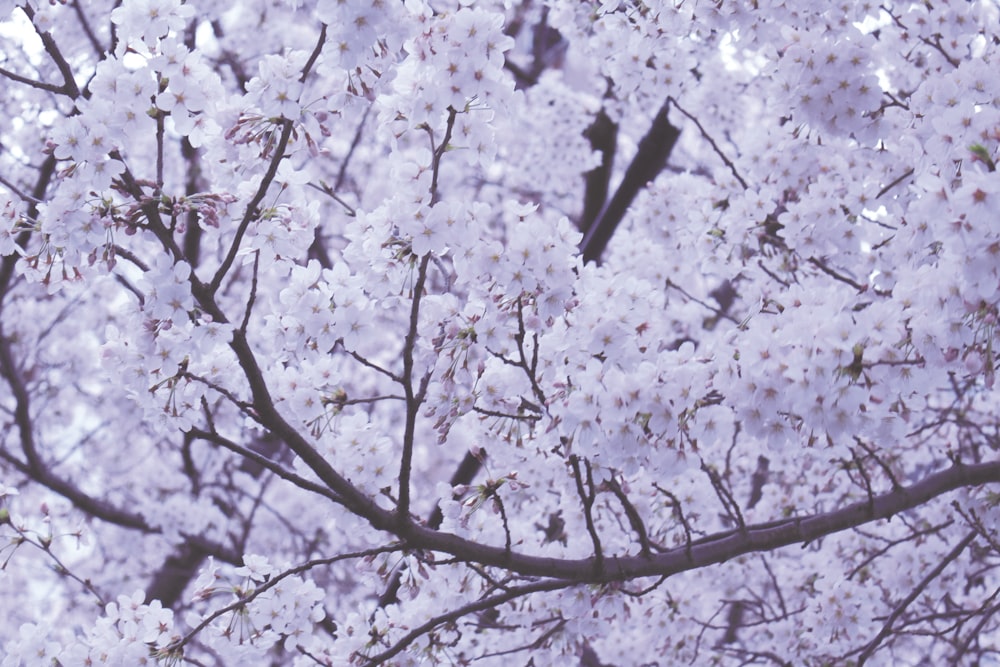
<point x="633" y="515"/>
<point x="32" y="83"/>
<point x="701" y="553"/>
<point x="37" y="470"/>
<point x="717" y="548"/>
<point x="711" y="141"/>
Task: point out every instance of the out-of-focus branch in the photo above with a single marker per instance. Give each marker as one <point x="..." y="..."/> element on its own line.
<point x="603" y="137"/>
<point x="8" y="263"/>
<point x="649" y="161"/>
<point x="547" y="50"/>
<point x="34" y="467"/>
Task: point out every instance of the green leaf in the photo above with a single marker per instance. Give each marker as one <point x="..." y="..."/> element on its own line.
<point x="983" y="155"/>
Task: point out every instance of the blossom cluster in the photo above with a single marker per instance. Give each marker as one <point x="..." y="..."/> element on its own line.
<point x="129" y="633"/>
<point x="832" y="79"/>
<point x="454" y="65"/>
<point x="303" y="281"/>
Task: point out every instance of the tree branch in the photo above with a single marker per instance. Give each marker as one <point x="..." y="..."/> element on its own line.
<point x="711" y="141"/>
<point x="264" y="463"/>
<point x="36" y="469"/>
<point x="603" y="137"/>
<point x="413" y="397"/>
<point x="69" y="86"/>
<point x="242" y="602"/>
<point x="587" y="500"/>
<point x="481" y="605"/>
<point x="649" y="160"/>
<point x="251" y="213"/>
<point x="716" y="548"/>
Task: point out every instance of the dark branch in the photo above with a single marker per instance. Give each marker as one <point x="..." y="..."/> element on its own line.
<point x="649" y="160"/>
<point x="603" y="137"/>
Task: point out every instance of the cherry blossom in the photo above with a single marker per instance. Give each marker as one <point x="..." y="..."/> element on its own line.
<point x="499" y="332"/>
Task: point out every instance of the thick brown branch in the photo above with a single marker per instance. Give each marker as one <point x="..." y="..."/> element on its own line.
<point x="720" y="547"/>
<point x="701" y="553"/>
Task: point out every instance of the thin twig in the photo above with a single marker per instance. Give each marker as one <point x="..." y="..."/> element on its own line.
<point x="88" y="31"/>
<point x="725" y="496"/>
<point x="268" y="585"/>
<point x="264" y="462"/>
<point x="711" y="141"/>
<point x="414" y="397"/>
<point x="375" y="367"/>
<point x="13" y="188"/>
<point x="633" y="515"/>
<point x="906" y="174"/>
<point x="439" y="151"/>
<point x="33" y="83"/>
<point x="836" y="275"/>
<point x="882" y="464"/>
<point x="252" y="213"/>
<point x="587" y="499"/>
<point x="253" y="292"/>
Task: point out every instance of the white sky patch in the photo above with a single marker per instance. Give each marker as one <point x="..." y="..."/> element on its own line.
<point x="19" y="30"/>
<point x="740" y="60"/>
